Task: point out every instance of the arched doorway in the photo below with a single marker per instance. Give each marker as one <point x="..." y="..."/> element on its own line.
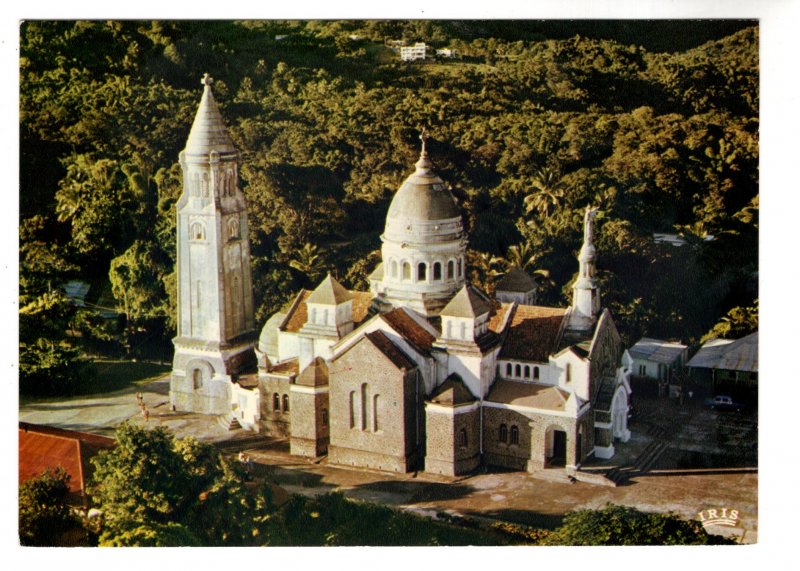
<point x="555" y="447"/>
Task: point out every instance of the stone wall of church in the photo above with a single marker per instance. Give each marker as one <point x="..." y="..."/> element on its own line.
<point x="374" y="412"/>
<point x="445" y="452"/>
<point x="506" y="454"/>
<point x="540" y="426"/>
<point x="275" y="420"/>
<point x="309" y="422"/>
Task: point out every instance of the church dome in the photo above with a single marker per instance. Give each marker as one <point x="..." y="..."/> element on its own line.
<point x="424" y="245"/>
<point x="423" y="210"/>
<point x="423" y="196"/>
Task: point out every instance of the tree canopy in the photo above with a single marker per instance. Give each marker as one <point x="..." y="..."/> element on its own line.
<point x="532" y="124"/>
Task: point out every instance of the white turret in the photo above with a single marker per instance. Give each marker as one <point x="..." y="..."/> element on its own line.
<point x="585" y="292"/>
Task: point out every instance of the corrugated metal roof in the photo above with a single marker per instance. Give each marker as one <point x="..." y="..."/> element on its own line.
<point x="656" y="350"/>
<point x="738" y="355"/>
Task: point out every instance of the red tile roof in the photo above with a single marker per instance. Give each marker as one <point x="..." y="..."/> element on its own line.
<point x="43" y="447"/>
<point x="288" y="367"/>
<point x="298" y="311"/>
<point x="416" y="335"/>
<point x="497" y="317"/>
<point x="532" y="333"/>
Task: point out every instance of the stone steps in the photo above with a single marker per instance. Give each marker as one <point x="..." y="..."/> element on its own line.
<point x="229" y="421"/>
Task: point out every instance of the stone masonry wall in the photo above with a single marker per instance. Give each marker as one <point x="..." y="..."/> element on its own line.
<point x="354" y="439"/>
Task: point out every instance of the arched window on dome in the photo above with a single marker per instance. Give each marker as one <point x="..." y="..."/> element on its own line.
<point x="437" y="271"/>
<point x="518" y="371"/>
<point x="527" y="372"/>
<point x="394" y="269"/>
<point x="422" y="272"/>
<point x="406" y="271"/>
<point x="458" y="273"/>
<point x="508" y="369"/>
<point x="450" y="270"/>
<point x="536" y="372"/>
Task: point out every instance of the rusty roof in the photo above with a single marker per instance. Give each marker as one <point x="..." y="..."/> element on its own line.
<point x="497" y="317"/>
<point x="408" y="328"/>
<point x="532" y="333"/>
<point x="288" y="367"/>
<point x="43" y="447"/>
<point x="534" y="395"/>
<point x="297" y="313"/>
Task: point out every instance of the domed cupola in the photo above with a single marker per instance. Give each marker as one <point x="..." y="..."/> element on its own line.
<point x="423" y="244"/>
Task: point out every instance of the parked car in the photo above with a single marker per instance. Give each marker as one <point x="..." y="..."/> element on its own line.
<point x="724" y="402"/>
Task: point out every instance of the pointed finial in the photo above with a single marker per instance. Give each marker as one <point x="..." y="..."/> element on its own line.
<point x="423" y="164"/>
<point x="207" y="80"/>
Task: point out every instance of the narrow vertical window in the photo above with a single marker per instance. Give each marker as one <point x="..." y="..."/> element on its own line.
<point x="422" y="272"/>
<point x="375" y="426"/>
<point x="459" y="267"/>
<point x="503" y="433"/>
<point x="394" y="268"/>
<point x="276" y="402"/>
<point x="406" y="271"/>
<point x="324" y="417"/>
<point x="508" y="369"/>
<point x="514" y="435"/>
<point x="536" y="372"/>
<point x="527" y="372"/>
<point x="450" y="270"/>
<point x="518" y="371"/>
<point x="285" y="403"/>
<point x="568" y="372"/>
<point x="364" y="406"/>
<point x="437" y="271"/>
<point x="463" y="330"/>
<point x="352" y="409"/>
<point x="462" y="438"/>
<point x="197" y="378"/>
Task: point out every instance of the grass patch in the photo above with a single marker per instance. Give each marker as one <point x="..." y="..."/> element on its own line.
<point x="113" y="376"/>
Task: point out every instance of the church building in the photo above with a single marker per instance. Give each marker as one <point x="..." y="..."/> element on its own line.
<point x="423" y="372"/>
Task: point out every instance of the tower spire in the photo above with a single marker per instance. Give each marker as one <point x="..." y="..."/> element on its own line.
<point x="585" y="292"/>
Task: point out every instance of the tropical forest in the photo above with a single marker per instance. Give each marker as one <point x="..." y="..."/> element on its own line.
<point x="656" y="124"/>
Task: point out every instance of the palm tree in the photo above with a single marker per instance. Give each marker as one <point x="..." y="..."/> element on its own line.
<point x="549" y="189"/>
<point x="309" y="260"/>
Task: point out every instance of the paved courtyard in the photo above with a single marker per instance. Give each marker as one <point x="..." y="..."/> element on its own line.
<point x="696" y="469"/>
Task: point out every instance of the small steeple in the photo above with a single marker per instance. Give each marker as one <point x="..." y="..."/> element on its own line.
<point x="585" y="293"/>
<point x="208" y="130"/>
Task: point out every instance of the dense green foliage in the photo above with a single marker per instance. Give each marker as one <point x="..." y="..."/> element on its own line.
<point x="619" y="525"/>
<point x="155" y="490"/>
<point x="43" y="511"/>
<point x="529" y="127"/>
<point x="333" y="520"/>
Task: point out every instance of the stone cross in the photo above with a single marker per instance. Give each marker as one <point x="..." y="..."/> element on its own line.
<point x="207" y="80"/>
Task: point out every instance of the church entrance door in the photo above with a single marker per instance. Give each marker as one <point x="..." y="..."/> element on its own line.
<point x="556" y="454"/>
